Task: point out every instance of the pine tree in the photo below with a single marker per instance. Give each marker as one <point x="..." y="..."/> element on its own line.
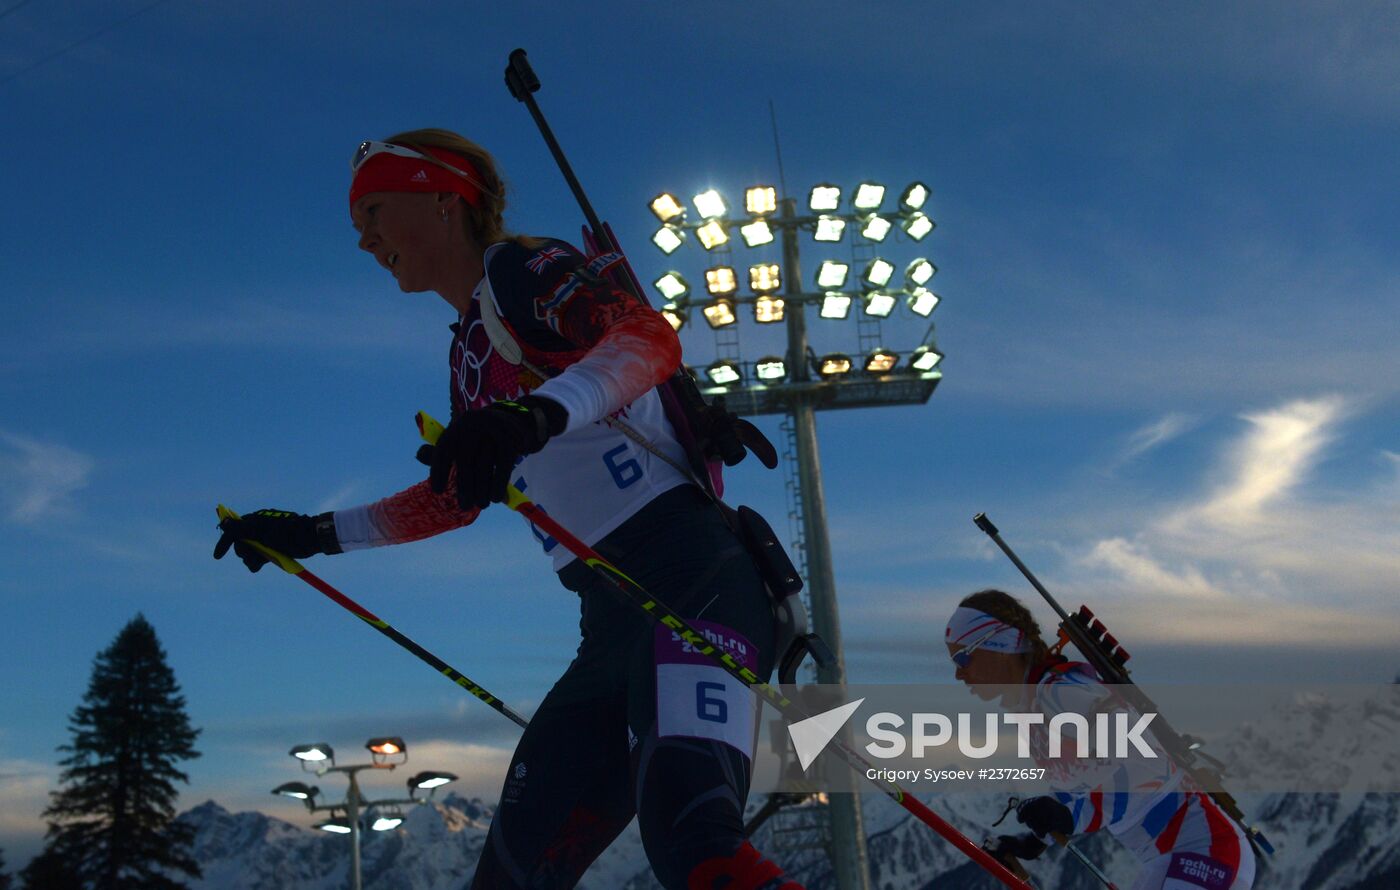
<point x="4" y="878"/>
<point x="48" y="871"/>
<point x="112" y="822"/>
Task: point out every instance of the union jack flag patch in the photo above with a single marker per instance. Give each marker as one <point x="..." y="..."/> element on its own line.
<point x="540" y="261"/>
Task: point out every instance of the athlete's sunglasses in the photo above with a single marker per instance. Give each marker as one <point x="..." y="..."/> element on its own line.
<point x="964" y="655"/>
<point x="368" y="150"/>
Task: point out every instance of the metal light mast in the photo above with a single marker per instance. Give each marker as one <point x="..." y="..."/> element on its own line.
<point x="800" y="384"/>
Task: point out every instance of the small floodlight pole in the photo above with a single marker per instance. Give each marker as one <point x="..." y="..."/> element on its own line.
<point x="354" y="802"/>
<point x="352" y="811"/>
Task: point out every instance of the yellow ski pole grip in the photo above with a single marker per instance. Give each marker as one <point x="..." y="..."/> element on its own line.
<point x="284" y="562"/>
<point x="428" y="428"/>
<point x="431" y="431"/>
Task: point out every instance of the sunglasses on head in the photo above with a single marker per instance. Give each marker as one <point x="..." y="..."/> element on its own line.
<point x="369" y="149"/>
<point x="964" y="655"/>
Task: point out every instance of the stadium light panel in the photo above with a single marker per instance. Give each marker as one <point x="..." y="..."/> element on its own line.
<point x="671" y="286"/>
<point x="830" y="228"/>
<point x="709" y="204"/>
<point x="868" y="196"/>
<point x="917" y="225"/>
<point x="761" y="200"/>
<point x="720" y="313"/>
<point x="712" y="234"/>
<point x="667" y="207"/>
<point x="768" y="309"/>
<point x="879" y="305"/>
<point x="668" y="238"/>
<point x="756" y="233"/>
<point x="836" y="305"/>
<point x="824" y="198"/>
<point x="913" y="197"/>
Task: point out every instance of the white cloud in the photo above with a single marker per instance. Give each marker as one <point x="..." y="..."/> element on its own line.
<point x="1154" y="434"/>
<point x="1281" y="446"/>
<point x="1259" y="556"/>
<point x="1148" y="437"/>
<point x="1132" y="564"/>
<point x="41" y="477"/>
<point x="1244" y="621"/>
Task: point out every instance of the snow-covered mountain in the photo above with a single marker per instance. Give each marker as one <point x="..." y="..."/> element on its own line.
<point x="435" y="848"/>
<point x="1324" y="841"/>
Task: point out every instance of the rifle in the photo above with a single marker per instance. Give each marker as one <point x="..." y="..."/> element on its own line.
<point x="708" y="432"/>
<point x="1108" y="657"/>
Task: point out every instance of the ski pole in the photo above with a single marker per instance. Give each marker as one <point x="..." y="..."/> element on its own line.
<point x="1085" y="860"/>
<point x="659" y="612"/>
<point x="1062" y="839"/>
<point x="292" y="567"/>
<point x="1108" y="659"/>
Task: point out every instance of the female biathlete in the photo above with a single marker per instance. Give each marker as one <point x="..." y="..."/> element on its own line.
<point x="636" y="725"/>
<point x="1183" y="838"/>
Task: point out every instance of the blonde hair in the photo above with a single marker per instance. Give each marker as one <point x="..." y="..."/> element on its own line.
<point x="1006" y="608"/>
<point x="484" y="224"/>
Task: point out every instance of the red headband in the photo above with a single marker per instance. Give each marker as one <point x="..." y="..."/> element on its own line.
<point x="394" y="173"/>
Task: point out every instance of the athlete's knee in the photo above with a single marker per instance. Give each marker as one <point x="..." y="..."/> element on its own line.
<point x="744" y="869"/>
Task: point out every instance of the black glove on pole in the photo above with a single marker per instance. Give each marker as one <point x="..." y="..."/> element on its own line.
<point x="1018" y="846"/>
<point x="484" y="445"/>
<point x="1044" y="815"/>
<point x="295" y="534"/>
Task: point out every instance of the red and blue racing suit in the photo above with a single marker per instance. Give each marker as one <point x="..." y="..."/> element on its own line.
<point x="1182" y="837"/>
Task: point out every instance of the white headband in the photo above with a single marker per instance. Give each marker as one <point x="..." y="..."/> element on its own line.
<point x="969" y="625"/>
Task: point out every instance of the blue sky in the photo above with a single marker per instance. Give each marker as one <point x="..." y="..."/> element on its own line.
<point x="1166" y="250"/>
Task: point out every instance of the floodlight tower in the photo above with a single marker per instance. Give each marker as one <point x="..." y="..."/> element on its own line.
<point x="799" y="383"/>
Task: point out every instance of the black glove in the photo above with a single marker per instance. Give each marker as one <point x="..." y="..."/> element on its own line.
<point x="1043" y="815"/>
<point x="293" y="534"/>
<point x="1005" y="847"/>
<point x="485" y="444"/>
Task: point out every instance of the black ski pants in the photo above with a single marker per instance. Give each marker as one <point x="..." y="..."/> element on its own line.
<point x="593" y="756"/>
